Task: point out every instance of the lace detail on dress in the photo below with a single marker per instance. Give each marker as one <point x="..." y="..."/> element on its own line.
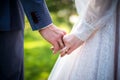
<point x="93" y="18"/>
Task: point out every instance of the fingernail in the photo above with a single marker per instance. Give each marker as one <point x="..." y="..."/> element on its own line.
<point x="53" y="52"/>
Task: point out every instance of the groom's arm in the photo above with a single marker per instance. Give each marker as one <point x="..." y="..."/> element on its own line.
<point x="37" y="13"/>
<point x="39" y="18"/>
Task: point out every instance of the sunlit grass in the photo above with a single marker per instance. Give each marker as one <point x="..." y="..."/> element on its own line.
<point x="33" y="44"/>
<point x="38" y="57"/>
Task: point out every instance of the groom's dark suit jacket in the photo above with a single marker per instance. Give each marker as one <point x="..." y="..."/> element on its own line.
<point x="11" y="14"/>
<point x="12" y="21"/>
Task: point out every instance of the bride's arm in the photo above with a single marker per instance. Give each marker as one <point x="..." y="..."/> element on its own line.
<point x="96" y="16"/>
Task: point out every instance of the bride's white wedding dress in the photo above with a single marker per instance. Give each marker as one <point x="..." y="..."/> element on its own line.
<point x="94" y="60"/>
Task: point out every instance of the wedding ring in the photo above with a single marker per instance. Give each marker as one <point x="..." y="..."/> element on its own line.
<point x="66" y="50"/>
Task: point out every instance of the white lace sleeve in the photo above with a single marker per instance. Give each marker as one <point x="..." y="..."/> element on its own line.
<point x="95" y="15"/>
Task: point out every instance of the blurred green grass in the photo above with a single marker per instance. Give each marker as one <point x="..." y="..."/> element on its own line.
<point x="38" y="58"/>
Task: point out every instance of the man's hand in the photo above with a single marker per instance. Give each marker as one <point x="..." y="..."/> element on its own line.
<point x="53" y="35"/>
<point x="71" y="43"/>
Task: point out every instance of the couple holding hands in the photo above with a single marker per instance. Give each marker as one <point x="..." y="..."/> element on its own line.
<point x="92" y="45"/>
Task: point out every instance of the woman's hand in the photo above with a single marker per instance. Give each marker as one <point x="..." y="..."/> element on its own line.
<point x="71" y="43"/>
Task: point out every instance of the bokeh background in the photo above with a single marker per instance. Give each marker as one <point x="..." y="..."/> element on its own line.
<point x="38" y="57"/>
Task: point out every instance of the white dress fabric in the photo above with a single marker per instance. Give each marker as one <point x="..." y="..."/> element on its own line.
<point x="94" y="60"/>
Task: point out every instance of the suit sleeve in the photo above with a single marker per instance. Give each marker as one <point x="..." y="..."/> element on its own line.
<point x="96" y="16"/>
<point x="37" y="13"/>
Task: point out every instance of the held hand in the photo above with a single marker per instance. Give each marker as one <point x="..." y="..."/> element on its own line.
<point x="53" y="35"/>
<point x="71" y="43"/>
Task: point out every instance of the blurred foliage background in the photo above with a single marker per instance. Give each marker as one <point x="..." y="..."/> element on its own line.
<point x="38" y="57"/>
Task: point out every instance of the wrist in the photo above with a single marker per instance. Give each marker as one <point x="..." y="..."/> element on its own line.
<point x="47" y="27"/>
<point x="77" y="37"/>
